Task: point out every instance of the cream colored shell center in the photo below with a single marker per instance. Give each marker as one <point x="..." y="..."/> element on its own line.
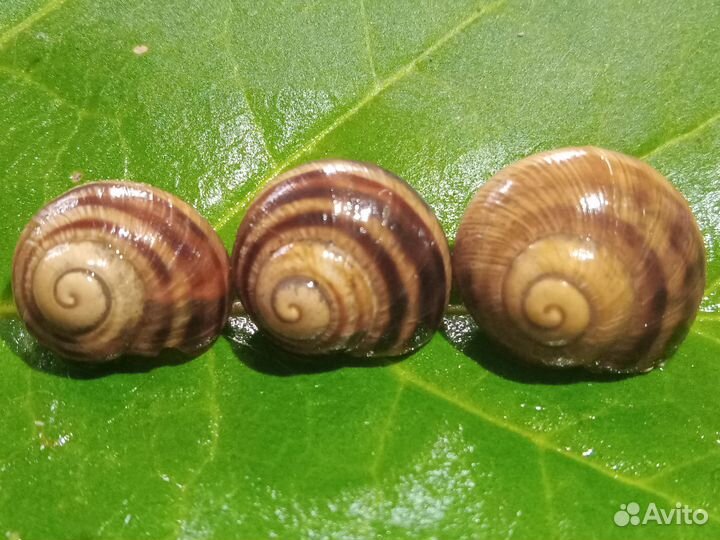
<point x="87" y="286"/>
<point x="300" y="306"/>
<point x="541" y="292"/>
<point x="554" y="304"/>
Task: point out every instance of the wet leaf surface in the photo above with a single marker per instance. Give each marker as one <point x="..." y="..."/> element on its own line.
<point x="209" y="100"/>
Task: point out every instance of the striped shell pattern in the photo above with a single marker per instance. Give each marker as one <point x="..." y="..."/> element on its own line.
<point x="113" y="268"/>
<point x="342" y="256"/>
<point x="581" y="257"/>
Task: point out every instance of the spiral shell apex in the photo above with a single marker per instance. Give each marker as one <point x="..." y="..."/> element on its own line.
<point x="342" y="256"/>
<point x="581" y="257"/>
<point x="113" y="268"/>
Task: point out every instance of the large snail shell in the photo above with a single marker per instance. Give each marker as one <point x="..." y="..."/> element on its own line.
<point x="343" y="256"/>
<point x="581" y="256"/>
<point x="113" y="268"/>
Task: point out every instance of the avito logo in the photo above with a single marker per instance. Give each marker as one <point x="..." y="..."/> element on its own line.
<point x="630" y="514"/>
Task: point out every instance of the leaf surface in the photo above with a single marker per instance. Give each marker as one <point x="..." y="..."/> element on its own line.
<point x="210" y="100"/>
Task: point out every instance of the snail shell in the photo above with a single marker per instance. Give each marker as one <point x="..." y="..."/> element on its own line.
<point x="342" y="256"/>
<point x="113" y="268"/>
<point x="581" y="257"/>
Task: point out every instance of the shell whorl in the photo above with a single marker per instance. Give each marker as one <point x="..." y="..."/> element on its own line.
<point x="581" y="256"/>
<point x="113" y="268"/>
<point x="342" y="256"/>
<point x="72" y="288"/>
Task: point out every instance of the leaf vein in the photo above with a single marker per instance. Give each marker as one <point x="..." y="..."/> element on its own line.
<point x="124" y="145"/>
<point x="706" y="336"/>
<point x="14" y="31"/>
<point x="214" y="422"/>
<point x="368" y="44"/>
<point x="686" y="464"/>
<point x="63" y="149"/>
<point x="365" y="100"/>
<point x="713" y="288"/>
<point x="537" y="441"/>
<point x="241" y="84"/>
<point x="25" y="77"/>
<point x="385" y="432"/>
<point x="8" y="311"/>
<point x="547" y="491"/>
<point x="699" y="128"/>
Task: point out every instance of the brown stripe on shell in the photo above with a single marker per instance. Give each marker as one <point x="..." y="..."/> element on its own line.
<point x="165" y="225"/>
<point x="651" y="286"/>
<point x="385" y="264"/>
<point x="176" y="209"/>
<point x="207" y="319"/>
<point x="412" y="233"/>
<point x="654" y="280"/>
<point x="154" y="327"/>
<point x="97" y="225"/>
<point x="176" y="217"/>
<point x="409" y="226"/>
<point x="366" y="290"/>
<point x="169" y="252"/>
<point x="621" y="206"/>
<point x="412" y="244"/>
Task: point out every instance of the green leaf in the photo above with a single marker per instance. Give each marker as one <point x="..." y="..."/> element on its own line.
<point x="210" y="100"/>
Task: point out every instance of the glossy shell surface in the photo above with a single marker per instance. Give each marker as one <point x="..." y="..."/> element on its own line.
<point x="581" y="257"/>
<point x="343" y="256"/>
<point x="113" y="268"/>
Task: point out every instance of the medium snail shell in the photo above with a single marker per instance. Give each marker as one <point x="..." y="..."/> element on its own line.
<point x="581" y="257"/>
<point x="342" y="256"/>
<point x="113" y="268"/>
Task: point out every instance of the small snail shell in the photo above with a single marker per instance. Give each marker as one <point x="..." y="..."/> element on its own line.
<point x="342" y="256"/>
<point x="113" y="268"/>
<point x="581" y="257"/>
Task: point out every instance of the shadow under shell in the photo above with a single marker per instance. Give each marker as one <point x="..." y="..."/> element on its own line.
<point x="463" y="334"/>
<point x="260" y="353"/>
<point x="37" y="357"/>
